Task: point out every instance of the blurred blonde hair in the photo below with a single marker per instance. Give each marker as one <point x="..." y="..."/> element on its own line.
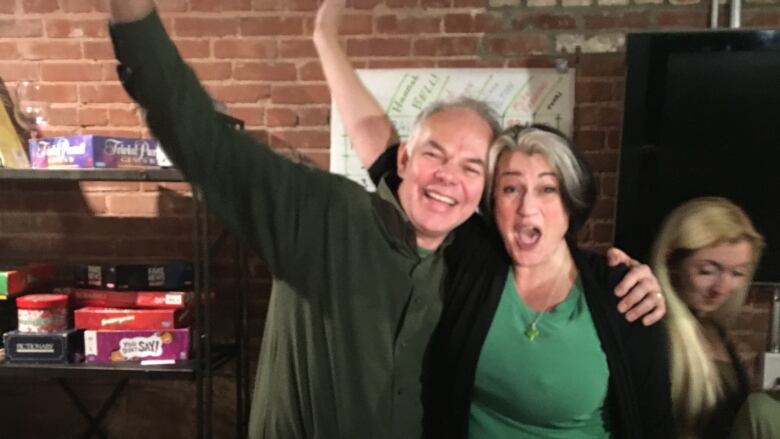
<point x="696" y="224"/>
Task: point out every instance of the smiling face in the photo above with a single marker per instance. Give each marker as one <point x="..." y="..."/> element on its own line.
<point x="442" y="168"/>
<point x="711" y="275"/>
<point x="529" y="210"/>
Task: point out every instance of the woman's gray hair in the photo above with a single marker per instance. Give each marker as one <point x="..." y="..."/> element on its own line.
<point x="578" y="189"/>
<point x="480" y="108"/>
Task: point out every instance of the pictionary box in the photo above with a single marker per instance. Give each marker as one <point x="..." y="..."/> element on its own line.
<point x="90" y="151"/>
<point x="52" y="347"/>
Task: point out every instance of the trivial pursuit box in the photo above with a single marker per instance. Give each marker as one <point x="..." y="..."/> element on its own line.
<point x="91" y="151"/>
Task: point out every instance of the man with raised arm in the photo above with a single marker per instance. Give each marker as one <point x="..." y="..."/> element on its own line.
<point x="357" y="276"/>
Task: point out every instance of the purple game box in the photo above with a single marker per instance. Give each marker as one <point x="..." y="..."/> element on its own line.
<point x="91" y="151"/>
<point x="136" y="345"/>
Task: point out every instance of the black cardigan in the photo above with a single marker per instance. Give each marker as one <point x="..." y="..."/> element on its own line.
<point x="638" y="400"/>
<point x="639" y="394"/>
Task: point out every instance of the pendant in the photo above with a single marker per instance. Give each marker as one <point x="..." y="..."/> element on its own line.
<point x="531" y="331"/>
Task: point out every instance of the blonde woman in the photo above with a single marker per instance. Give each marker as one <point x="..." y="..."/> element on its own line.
<point x="704" y="257"/>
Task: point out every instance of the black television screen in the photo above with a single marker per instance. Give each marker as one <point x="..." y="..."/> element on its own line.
<point x="701" y="117"/>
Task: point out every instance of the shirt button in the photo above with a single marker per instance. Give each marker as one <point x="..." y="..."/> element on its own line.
<point x="416" y="301"/>
<point x="404" y="344"/>
<point x="399" y="392"/>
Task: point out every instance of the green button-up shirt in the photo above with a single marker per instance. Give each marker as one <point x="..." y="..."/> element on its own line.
<point x="353" y="304"/>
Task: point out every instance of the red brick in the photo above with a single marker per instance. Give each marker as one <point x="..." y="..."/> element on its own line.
<point x="281" y="117"/>
<point x="602" y="160"/>
<point x="379" y="47"/>
<point x="211" y="71"/>
<point x="39" y="6"/>
<point x="300" y="94"/>
<point x="685" y="19"/>
<point x="191" y="49"/>
<point x="69" y="28"/>
<point x="354" y="25"/>
<point x="98" y="50"/>
<point x="172" y="5"/>
<point x="602" y="233"/>
<point x="436" y="3"/>
<point x="205" y="27"/>
<point x="760" y="17"/>
<point x="446" y="46"/>
<point x="265" y="71"/>
<point x="63" y="116"/>
<point x="601" y="65"/>
<point x="144" y="205"/>
<point x="275" y="25"/>
<point x="245" y="48"/>
<point x="252" y="115"/>
<point x="541" y="21"/>
<point x="364" y="4"/>
<point x="416" y="63"/>
<point x="468" y="3"/>
<point x="220" y="5"/>
<point x="7" y="7"/>
<point x="12" y="71"/>
<point x="408" y="24"/>
<point x="603" y="209"/>
<point x="589" y="140"/>
<point x="613" y="139"/>
<point x="296" y="48"/>
<point x="300" y="5"/>
<point x="93" y="116"/>
<point x="59" y="93"/>
<point x="108" y="93"/>
<point x="77" y="5"/>
<point x="586" y="116"/>
<point x="402" y="4"/>
<point x="472" y="23"/>
<point x="246" y="93"/>
<point x="267" y="5"/>
<point x="298" y="138"/>
<point x="46" y="50"/>
<point x="608" y="185"/>
<point x="617" y="20"/>
<point x="17" y="28"/>
<point x="517" y="45"/>
<point x="141" y="248"/>
<point x="124" y="117"/>
<point x="314" y="117"/>
<point x="592" y="91"/>
<point x="8" y="51"/>
<point x="77" y="72"/>
<point x="310" y="71"/>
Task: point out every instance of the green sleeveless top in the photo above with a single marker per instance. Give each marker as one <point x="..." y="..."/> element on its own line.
<point x="553" y="386"/>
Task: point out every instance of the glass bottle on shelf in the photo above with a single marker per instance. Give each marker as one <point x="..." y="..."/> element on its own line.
<point x="33" y="110"/>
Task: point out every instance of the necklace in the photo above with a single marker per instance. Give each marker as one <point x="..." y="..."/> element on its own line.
<point x="532" y="329"/>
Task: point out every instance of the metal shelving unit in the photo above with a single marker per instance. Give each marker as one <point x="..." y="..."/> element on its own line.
<point x="206" y="356"/>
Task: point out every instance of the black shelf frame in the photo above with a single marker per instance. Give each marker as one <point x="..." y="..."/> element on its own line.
<point x="207" y="357"/>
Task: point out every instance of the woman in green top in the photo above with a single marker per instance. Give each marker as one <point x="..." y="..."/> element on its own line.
<point x="704" y="257"/>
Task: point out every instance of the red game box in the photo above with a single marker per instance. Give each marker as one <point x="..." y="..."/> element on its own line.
<point x="114" y="318"/>
<point x="80" y="297"/>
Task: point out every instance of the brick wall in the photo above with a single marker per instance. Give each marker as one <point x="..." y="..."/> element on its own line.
<point x="256" y="56"/>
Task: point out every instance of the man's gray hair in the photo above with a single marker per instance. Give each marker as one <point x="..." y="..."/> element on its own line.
<point x="480" y="108"/>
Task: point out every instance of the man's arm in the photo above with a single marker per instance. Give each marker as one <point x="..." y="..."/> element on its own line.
<point x="639" y="289"/>
<point x="271" y="203"/>
<point x="366" y="123"/>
